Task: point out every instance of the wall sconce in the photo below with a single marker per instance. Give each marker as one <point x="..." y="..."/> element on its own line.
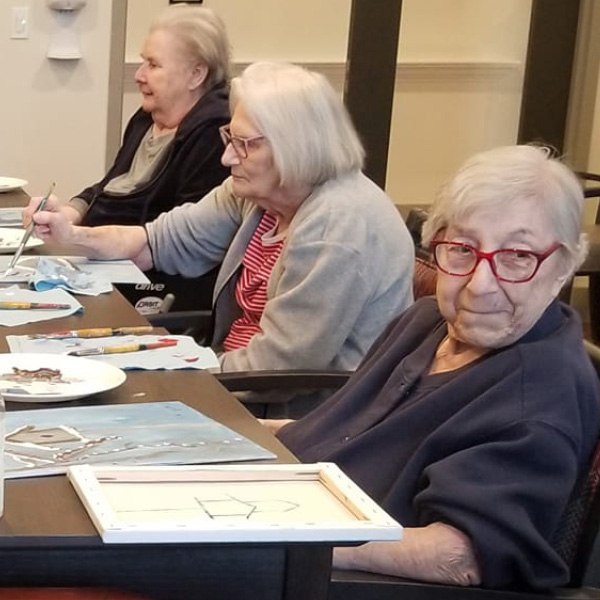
<point x="64" y="44"/>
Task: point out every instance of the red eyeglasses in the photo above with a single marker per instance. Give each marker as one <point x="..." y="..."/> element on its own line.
<point x="508" y="264"/>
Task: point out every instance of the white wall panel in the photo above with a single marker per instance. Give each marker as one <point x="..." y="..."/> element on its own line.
<point x="54" y="113"/>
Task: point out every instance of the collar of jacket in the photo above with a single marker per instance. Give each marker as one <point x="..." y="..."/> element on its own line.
<point x="213" y="104"/>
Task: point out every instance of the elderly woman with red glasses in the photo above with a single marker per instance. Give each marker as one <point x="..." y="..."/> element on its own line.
<point x="473" y="414"/>
<point x="315" y="257"/>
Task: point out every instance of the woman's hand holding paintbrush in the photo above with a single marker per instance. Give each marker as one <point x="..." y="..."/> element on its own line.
<point x="51" y="222"/>
<point x="53" y="226"/>
<point x="54" y="205"/>
<point x="27" y="234"/>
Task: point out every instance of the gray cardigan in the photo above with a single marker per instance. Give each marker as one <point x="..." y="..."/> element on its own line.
<point x="344" y="272"/>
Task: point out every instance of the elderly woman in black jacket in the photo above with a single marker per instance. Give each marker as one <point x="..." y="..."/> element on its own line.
<point x="171" y="151"/>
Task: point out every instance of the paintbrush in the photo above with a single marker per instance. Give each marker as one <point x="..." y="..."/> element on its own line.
<point x="92" y="333"/>
<point x="28" y="233"/>
<point x="33" y="306"/>
<point x="123" y="348"/>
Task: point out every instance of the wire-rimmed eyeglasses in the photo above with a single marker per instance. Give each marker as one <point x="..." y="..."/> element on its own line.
<point x="240" y="144"/>
<point x="508" y="264"/>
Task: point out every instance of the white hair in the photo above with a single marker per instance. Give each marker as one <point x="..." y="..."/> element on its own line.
<point x="304" y="120"/>
<point x="509" y="174"/>
<point x="203" y="37"/>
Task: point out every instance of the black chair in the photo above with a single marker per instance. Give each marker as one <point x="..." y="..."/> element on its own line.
<point x="276" y="394"/>
<point x="185" y="294"/>
<point x="262" y="381"/>
<point x="415" y="218"/>
<point x="195" y="323"/>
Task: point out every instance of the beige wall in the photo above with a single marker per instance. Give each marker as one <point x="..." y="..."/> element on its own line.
<point x="458" y="83"/>
<point x="54" y="113"/>
<point x="258" y="30"/>
<point x="458" y="90"/>
<point x="304" y="31"/>
<point x="464" y="30"/>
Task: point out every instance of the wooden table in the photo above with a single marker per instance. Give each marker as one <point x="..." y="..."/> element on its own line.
<point x="47" y="539"/>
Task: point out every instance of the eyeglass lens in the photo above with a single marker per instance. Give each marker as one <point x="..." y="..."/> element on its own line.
<point x="508" y="264"/>
<point x="239" y="145"/>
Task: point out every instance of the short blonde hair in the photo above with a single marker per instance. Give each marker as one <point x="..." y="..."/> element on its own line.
<point x="304" y="120"/>
<point x="508" y="174"/>
<point x="203" y="36"/>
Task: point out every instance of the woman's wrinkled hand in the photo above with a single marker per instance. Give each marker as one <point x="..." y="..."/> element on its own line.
<point x="52" y="225"/>
<point x="437" y="553"/>
<point x="52" y="204"/>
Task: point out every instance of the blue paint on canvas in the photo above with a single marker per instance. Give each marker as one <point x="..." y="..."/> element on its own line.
<point x="47" y="441"/>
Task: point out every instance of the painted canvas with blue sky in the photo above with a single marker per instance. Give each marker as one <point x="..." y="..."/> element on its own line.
<point x="47" y="441"/>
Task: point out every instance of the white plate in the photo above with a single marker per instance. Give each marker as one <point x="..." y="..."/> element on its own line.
<point x="11" y="216"/>
<point x="10" y="238"/>
<point x="80" y="377"/>
<point x="8" y="184"/>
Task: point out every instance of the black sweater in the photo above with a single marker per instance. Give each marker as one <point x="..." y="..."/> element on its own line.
<point x="190" y="168"/>
<point x="493" y="448"/>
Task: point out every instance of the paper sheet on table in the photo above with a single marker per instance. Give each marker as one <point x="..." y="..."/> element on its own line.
<point x="115" y="271"/>
<point x="185" y="355"/>
<point x="12" y="317"/>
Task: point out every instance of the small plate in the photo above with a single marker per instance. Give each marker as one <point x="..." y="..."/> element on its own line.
<point x="9" y="184"/>
<point x="11" y="217"/>
<point x="10" y="238"/>
<point x="79" y="377"/>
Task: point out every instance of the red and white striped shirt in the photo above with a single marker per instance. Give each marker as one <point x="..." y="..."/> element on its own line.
<point x="251" y="288"/>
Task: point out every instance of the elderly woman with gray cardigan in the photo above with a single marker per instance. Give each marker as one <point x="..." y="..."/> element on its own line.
<point x="315" y="258"/>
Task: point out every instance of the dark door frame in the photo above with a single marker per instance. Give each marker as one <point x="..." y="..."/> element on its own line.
<point x="548" y="72"/>
<point x="371" y="74"/>
<point x="370" y="77"/>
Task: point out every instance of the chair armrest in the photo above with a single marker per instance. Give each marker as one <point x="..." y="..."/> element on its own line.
<point x="197" y="323"/>
<point x="260" y="381"/>
<point x="357" y="585"/>
<point x="589" y="191"/>
<point x="588" y="175"/>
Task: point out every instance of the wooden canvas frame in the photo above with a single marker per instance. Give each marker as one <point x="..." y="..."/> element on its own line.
<point x="232" y="503"/>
